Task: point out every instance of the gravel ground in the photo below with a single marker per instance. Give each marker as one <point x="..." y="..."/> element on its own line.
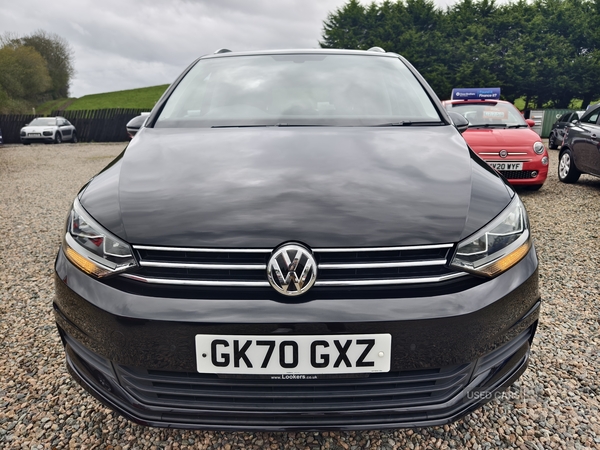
<point x="554" y="405"/>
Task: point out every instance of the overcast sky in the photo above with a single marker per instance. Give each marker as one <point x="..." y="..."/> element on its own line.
<point x="125" y="44"/>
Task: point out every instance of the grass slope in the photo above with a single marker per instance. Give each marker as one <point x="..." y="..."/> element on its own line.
<point x="143" y="98"/>
<point x="60" y="104"/>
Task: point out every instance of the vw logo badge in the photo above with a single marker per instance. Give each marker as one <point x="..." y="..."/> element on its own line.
<point x="503" y="153"/>
<point x="292" y="270"/>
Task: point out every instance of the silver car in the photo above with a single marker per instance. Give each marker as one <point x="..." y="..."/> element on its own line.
<point x="48" y="129"/>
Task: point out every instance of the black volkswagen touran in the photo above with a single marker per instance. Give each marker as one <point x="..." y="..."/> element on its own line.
<point x="297" y="240"/>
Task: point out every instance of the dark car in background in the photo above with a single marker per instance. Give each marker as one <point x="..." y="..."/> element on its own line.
<point x="297" y="240"/>
<point x="48" y="130"/>
<point x="580" y="150"/>
<point x="557" y="133"/>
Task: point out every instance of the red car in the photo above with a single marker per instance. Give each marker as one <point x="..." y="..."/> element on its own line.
<point x="500" y="135"/>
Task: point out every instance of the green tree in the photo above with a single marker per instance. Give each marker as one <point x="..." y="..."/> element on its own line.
<point x="547" y="51"/>
<point x="472" y="59"/>
<point x="582" y="27"/>
<point x="59" y="57"/>
<point x="411" y="29"/>
<point x="346" y="27"/>
<point x="23" y="77"/>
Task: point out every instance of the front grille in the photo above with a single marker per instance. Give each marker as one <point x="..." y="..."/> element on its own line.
<point x="516" y="174"/>
<point x="375" y="391"/>
<point x="336" y="267"/>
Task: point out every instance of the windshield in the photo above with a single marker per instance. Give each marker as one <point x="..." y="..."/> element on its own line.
<point x="43" y="122"/>
<point x="297" y="90"/>
<point x="489" y="114"/>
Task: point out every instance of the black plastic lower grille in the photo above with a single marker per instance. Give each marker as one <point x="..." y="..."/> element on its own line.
<point x="516" y="174"/>
<point x="405" y="398"/>
<point x="206" y="391"/>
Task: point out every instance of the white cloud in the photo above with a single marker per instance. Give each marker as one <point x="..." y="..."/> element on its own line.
<point x="127" y="44"/>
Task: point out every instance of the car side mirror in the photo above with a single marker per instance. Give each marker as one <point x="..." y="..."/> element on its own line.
<point x="530" y="122"/>
<point x="459" y="121"/>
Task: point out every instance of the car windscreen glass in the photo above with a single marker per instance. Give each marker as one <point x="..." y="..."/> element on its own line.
<point x="489" y="114"/>
<point x="43" y="122"/>
<point x="298" y="90"/>
<point x="591" y="117"/>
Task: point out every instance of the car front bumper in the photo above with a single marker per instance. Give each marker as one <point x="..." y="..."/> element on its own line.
<point x="450" y="353"/>
<point x="525" y="177"/>
<point x="39" y="139"/>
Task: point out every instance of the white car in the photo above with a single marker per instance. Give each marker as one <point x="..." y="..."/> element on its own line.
<point x="48" y="129"/>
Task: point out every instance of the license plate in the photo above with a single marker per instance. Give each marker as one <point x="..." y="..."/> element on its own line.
<point x="506" y="165"/>
<point x="285" y="355"/>
<point x="34" y="134"/>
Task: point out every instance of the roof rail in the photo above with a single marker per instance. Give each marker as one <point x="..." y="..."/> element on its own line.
<point x="376" y="49"/>
<point x="223" y="50"/>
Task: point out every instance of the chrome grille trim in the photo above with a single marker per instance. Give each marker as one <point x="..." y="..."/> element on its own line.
<point x="204" y="266"/>
<point x="508" y="154"/>
<point x="419" y="280"/>
<point x="247" y="267"/>
<point x="196" y="282"/>
<point x="382" y="249"/>
<point x="200" y="250"/>
<point x="396" y="281"/>
<point x="439" y="262"/>
<point x="267" y="250"/>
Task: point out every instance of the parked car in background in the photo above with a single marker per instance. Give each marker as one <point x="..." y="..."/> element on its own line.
<point x="48" y="130"/>
<point x="500" y="135"/>
<point x="580" y="150"/>
<point x="297" y="240"/>
<point x="560" y="126"/>
<point x="134" y="125"/>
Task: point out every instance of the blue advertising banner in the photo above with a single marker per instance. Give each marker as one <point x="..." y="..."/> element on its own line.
<point x="476" y="94"/>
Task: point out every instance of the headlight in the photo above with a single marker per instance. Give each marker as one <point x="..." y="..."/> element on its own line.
<point x="93" y="249"/>
<point x="498" y="246"/>
<point x="538" y="147"/>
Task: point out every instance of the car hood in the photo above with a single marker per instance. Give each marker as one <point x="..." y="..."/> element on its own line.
<point x="325" y="187"/>
<point x="501" y="138"/>
<point x="38" y="129"/>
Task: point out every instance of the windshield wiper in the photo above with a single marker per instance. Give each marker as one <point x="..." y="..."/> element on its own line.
<point x="519" y="125"/>
<point x="284" y="124"/>
<point x="271" y="125"/>
<point x="488" y="125"/>
<point x="406" y="123"/>
<point x="300" y="125"/>
<point x="238" y="126"/>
